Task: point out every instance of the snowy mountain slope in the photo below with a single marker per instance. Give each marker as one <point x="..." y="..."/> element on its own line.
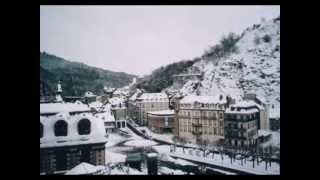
<point x="254" y="68"/>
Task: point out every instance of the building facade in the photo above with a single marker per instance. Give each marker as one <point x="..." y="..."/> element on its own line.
<point x="274" y="118"/>
<point x="69" y="134"/>
<point x="241" y="130"/>
<point x="150" y="102"/>
<point x="263" y="121"/>
<point x="201" y="118"/>
<point x="119" y="111"/>
<point x="161" y="121"/>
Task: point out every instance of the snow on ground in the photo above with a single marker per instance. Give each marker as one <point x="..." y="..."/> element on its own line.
<point x="126" y="171"/>
<point x="226" y="162"/>
<point x="140" y="143"/>
<point x="184" y="162"/>
<point x="166" y="157"/>
<point x="221" y="171"/>
<point x="168" y="171"/>
<point x="82" y="168"/>
<point x="114" y="138"/>
<point x="162" y="137"/>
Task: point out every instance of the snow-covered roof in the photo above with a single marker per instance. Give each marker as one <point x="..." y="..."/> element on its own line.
<point x="245" y="107"/>
<point x="274" y="113"/>
<point x="163" y="112"/>
<point x="140" y="143"/>
<point x="241" y="111"/>
<point x="105" y="116"/>
<point x="154" y="97"/>
<point x="89" y="94"/>
<point x="247" y="103"/>
<point x="97" y="130"/>
<point x="203" y="99"/>
<point x="116" y="100"/>
<point x="152" y="155"/>
<point x="46" y="108"/>
<point x="83" y="168"/>
<point x="95" y="104"/>
<point x="108" y="89"/>
<point x="262" y="132"/>
<point x="135" y="95"/>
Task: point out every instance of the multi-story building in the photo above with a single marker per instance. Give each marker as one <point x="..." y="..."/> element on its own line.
<point x="133" y="110"/>
<point x="263" y="120"/>
<point x="150" y="102"/>
<point x="161" y="121"/>
<point x="241" y="129"/>
<point x="200" y="118"/>
<point x="69" y="134"/>
<point x="89" y="97"/>
<point x="274" y="118"/>
<point x="119" y="111"/>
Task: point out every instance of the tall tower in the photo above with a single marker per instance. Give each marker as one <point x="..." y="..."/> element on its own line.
<point x="59" y="93"/>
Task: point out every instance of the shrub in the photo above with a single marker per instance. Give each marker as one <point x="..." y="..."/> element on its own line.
<point x="228" y="43"/>
<point x="266" y="38"/>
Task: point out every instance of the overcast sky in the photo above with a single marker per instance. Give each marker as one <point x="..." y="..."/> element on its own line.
<point x="139" y="39"/>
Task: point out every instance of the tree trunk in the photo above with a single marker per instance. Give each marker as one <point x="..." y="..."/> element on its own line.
<point x="266" y="165"/>
<point x="253" y="163"/>
<point x="270" y="162"/>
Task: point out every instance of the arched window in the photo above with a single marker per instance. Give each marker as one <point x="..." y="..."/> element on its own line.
<point x="41" y="130"/>
<point x="61" y="128"/>
<point x="84" y="126"/>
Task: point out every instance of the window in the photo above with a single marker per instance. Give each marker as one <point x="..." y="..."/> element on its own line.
<point x="60" y="128"/>
<point x="41" y="130"/>
<point x="221" y="115"/>
<point x="61" y="160"/>
<point x="84" y="127"/>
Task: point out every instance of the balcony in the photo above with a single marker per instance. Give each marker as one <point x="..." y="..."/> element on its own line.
<point x="196" y="125"/>
<point x="195" y="132"/>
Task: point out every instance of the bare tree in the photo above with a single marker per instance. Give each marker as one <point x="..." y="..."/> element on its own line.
<point x="183" y="142"/>
<point x="175" y="140"/>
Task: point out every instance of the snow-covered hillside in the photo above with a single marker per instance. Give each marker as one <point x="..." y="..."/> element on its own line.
<point x="254" y="68"/>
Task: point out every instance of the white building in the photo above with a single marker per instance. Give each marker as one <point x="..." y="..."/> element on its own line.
<point x="119" y="111"/>
<point x="150" y="102"/>
<point x="69" y="134"/>
<point x="201" y="118"/>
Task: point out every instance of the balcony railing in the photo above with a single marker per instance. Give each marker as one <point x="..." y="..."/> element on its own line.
<point x="195" y="132"/>
<point x="196" y="125"/>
